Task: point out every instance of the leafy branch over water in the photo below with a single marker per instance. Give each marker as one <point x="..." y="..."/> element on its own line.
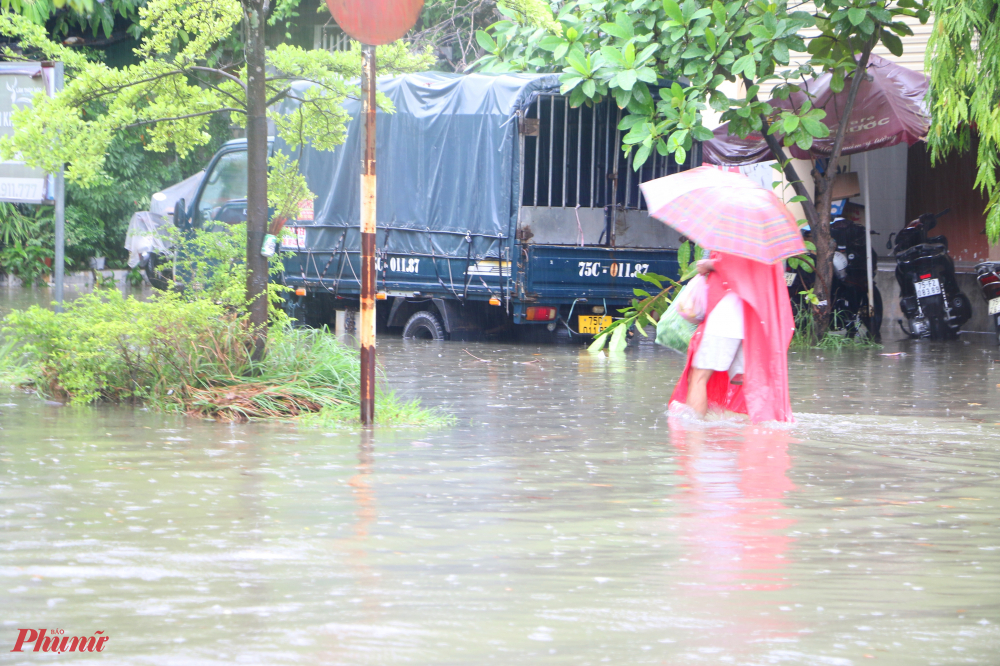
<point x="639" y="314"/>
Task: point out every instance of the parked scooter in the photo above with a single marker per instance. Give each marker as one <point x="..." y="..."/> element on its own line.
<point x="929" y="296"/>
<point x="988" y="277"/>
<point x="850" y="282"/>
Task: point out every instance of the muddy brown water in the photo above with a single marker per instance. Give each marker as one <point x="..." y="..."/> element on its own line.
<point x="564" y="520"/>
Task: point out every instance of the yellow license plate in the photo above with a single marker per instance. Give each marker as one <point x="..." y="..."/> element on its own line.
<point x="593" y="324"/>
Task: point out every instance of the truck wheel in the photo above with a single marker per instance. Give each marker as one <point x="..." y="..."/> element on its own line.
<point x="423" y="325"/>
<point x="157" y="272"/>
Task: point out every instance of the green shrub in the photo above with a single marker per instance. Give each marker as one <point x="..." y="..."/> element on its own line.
<point x="191" y="356"/>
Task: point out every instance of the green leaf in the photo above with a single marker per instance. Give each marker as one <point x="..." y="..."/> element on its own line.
<point x="702" y="133"/>
<point x="680" y="155"/>
<point x="589" y="88"/>
<point x="781" y="52"/>
<point x="673" y="10"/>
<point x="598" y="343"/>
<point x="710" y="40"/>
<point x="857" y="15"/>
<point x="804" y="143"/>
<point x="797" y="199"/>
<point x="718" y="101"/>
<point x="626" y="79"/>
<point x="613" y="56"/>
<point x="629" y="54"/>
<point x="578" y="63"/>
<point x="622" y="97"/>
<point x="618" y="340"/>
<point x="790" y="123"/>
<point x="615" y="30"/>
<point x="837" y="81"/>
<point x="641" y="155"/>
<point x="892" y="42"/>
<point x="815" y="128"/>
<point x="486" y="41"/>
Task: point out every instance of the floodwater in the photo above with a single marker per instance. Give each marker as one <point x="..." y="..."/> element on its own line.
<point x="564" y="520"/>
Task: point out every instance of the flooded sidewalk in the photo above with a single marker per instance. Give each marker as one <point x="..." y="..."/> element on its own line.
<point x="564" y="520"/>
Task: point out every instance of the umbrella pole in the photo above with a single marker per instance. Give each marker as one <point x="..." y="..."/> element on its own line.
<point x="868" y="246"/>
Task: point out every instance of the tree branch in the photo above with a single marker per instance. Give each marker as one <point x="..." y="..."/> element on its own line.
<point x="213" y="70"/>
<point x="808" y="206"/>
<point x="825" y="190"/>
<point x="184" y="117"/>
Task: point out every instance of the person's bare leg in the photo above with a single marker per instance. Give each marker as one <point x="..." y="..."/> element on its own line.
<point x="697" y="395"/>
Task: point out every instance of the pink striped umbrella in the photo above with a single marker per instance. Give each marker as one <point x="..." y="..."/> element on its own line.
<point x="725" y="211"/>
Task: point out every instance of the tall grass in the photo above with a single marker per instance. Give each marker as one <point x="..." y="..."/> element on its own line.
<point x="833" y="340"/>
<point x="186" y="356"/>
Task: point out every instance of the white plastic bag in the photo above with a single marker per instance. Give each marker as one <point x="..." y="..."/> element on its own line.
<point x="691" y="300"/>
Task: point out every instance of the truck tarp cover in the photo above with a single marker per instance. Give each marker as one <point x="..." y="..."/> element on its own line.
<point x="446" y="162"/>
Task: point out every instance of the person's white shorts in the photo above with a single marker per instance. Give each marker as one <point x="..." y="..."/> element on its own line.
<point x="719" y="354"/>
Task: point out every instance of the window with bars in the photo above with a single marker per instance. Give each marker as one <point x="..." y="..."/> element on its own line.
<point x="573" y="157"/>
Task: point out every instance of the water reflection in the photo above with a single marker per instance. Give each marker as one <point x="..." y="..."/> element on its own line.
<point x="733" y="485"/>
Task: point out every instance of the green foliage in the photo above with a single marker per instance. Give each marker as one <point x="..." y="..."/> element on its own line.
<point x="687" y="254"/>
<point x="83" y="15"/>
<point x="639" y="314"/>
<point x="97" y="217"/>
<point x="633" y="50"/>
<point x="26" y="261"/>
<point x="963" y="59"/>
<point x="189" y="355"/>
<point x="837" y="338"/>
<point x="211" y="264"/>
<point x="287" y="188"/>
<point x="171" y="92"/>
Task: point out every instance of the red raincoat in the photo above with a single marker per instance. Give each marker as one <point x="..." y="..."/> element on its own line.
<point x="767" y="330"/>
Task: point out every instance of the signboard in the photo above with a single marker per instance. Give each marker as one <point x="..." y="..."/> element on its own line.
<point x="18" y="84"/>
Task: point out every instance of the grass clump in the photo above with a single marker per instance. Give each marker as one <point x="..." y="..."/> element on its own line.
<point x="190" y="356"/>
<point x="840" y="336"/>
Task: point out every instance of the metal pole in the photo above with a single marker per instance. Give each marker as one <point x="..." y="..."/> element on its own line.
<point x="368" y="237"/>
<point x="868" y="247"/>
<point x="59" y="261"/>
<point x="59" y="270"/>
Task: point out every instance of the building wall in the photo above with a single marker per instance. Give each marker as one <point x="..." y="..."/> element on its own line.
<point x="950" y="185"/>
<point x="887" y="185"/>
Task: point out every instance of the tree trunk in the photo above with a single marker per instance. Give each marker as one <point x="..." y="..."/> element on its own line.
<point x="825" y="246"/>
<point x="257" y="265"/>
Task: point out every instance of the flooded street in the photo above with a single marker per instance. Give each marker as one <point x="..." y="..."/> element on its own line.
<point x="563" y="520"/>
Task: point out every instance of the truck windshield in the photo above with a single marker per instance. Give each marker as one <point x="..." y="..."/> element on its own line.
<point x="227" y="181"/>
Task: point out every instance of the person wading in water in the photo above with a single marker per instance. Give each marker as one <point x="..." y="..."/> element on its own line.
<point x="738" y="357"/>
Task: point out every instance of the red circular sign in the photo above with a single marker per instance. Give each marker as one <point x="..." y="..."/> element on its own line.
<point x="375" y="21"/>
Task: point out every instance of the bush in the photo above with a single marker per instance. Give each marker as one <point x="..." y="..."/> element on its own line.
<point x="190" y="356"/>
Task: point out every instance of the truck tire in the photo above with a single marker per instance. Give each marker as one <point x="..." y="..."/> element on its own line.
<point x="157" y="272"/>
<point x="423" y="325"/>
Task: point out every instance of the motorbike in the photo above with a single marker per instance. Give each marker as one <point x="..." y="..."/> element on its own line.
<point x="849" y="290"/>
<point x="988" y="278"/>
<point x="929" y="296"/>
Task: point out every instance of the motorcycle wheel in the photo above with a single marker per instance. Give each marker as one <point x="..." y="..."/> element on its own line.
<point x="938" y="329"/>
<point x="873" y="324"/>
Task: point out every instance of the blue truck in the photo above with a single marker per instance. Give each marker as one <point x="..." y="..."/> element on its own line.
<point x="499" y="207"/>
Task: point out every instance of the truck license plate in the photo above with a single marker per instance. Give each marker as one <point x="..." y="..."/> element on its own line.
<point x="593" y="324"/>
<point x="789" y="279"/>
<point x="995" y="305"/>
<point x="925" y="288"/>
